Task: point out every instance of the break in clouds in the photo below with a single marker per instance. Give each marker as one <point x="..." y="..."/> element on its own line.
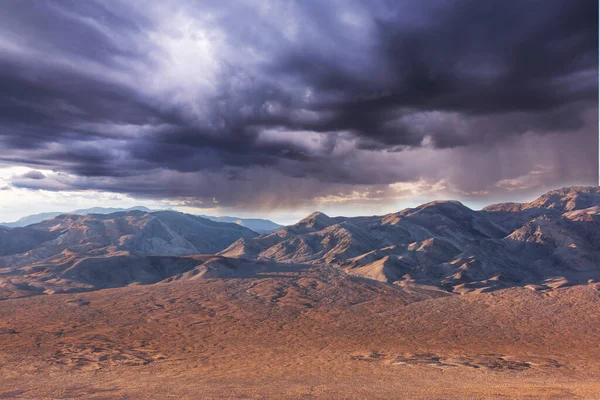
<point x="276" y="104"/>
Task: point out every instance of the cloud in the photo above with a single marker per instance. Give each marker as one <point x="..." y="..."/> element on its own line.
<point x="285" y="103"/>
<point x="33" y="174"/>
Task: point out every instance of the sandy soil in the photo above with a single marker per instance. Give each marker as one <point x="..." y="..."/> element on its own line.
<point x="308" y="333"/>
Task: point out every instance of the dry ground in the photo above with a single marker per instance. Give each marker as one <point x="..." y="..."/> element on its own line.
<point x="301" y="333"/>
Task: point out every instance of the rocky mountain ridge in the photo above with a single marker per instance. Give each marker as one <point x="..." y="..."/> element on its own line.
<point x="552" y="240"/>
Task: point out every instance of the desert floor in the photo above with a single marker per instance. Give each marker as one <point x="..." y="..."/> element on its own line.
<point x="309" y="332"/>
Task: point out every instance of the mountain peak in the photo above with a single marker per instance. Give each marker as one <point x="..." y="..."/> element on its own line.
<point x="568" y="198"/>
<point x="444" y="206"/>
<point x="559" y="200"/>
<point x="443" y="203"/>
<point x="314" y="215"/>
<point x="316" y="220"/>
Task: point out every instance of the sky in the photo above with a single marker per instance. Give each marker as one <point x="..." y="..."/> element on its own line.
<point x="279" y="108"/>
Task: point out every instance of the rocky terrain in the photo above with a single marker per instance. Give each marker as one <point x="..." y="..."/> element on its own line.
<point x="551" y="241"/>
<point x="437" y="301"/>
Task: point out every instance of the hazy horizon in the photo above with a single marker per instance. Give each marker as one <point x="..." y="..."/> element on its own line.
<point x="282" y="220"/>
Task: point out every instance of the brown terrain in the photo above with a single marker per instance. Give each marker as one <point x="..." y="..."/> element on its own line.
<point x="434" y="302"/>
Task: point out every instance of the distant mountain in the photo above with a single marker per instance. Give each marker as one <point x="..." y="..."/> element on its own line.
<point x="448" y="245"/>
<point x="256" y="224"/>
<point x="109" y="210"/>
<point x="30" y="219"/>
<point x="75" y="249"/>
<point x="35" y="218"/>
<point x="161" y="232"/>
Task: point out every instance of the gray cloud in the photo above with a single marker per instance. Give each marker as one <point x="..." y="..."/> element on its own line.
<point x="201" y="100"/>
<point x="33" y="174"/>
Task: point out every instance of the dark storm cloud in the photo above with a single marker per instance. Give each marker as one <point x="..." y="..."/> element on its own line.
<point x="209" y="97"/>
<point x="482" y="58"/>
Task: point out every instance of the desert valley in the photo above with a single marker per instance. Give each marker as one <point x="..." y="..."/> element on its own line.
<point x="437" y="301"/>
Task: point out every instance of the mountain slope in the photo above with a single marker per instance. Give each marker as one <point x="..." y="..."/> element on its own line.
<point x="554" y="203"/>
<point x="119" y="269"/>
<point x="450" y="246"/>
<point x="18" y="240"/>
<point x="64" y="240"/>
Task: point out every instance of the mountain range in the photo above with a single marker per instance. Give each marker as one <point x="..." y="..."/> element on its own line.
<point x="551" y="242"/>
<point x="36" y="218"/>
<point x="256" y="224"/>
<point x="76" y="252"/>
